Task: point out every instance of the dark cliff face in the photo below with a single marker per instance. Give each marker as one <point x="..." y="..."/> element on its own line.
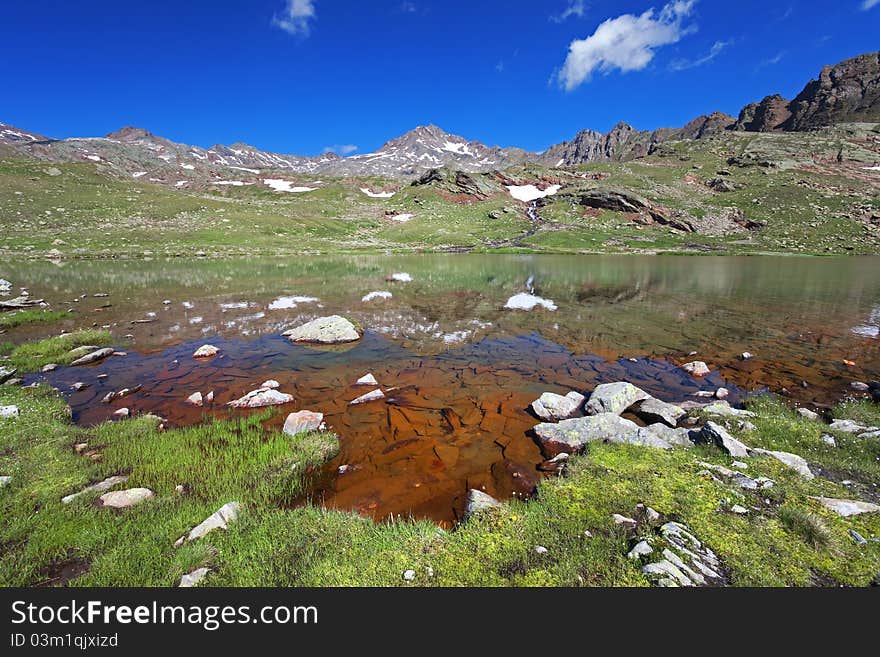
<point x="846" y="92"/>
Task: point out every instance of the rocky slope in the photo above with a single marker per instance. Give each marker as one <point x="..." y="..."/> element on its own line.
<point x="848" y="92"/>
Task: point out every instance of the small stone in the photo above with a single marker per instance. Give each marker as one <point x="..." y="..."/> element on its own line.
<point x="858" y="538"/>
<point x="552" y="407"/>
<point x="51" y="367"/>
<point x="696" y="368"/>
<point x="740" y="465"/>
<point x="623" y="521"/>
<point x="722" y="393"/>
<point x="793" y="461"/>
<point x="400" y="277"/>
<point x="260" y="398"/>
<point x="747" y="356"/>
<point x="302" y="421"/>
<point x="221" y="519"/>
<point x="367" y="380"/>
<point x="342" y="469"/>
<point x="9" y="412"/>
<point x="715" y="433"/>
<point x="739" y="510"/>
<point x="540" y="549"/>
<point x="859" y="386"/>
<point x="5" y="481"/>
<point x="477" y="502"/>
<point x="409" y="575"/>
<point x="847" y="508"/>
<point x="807" y="413"/>
<point x="829" y="440"/>
<point x="122" y="499"/>
<point x="370" y="396"/>
<point x="641" y="549"/>
<point x="192" y="579"/>
<point x="271" y="384"/>
<point x="122" y="413"/>
<point x="195" y="399"/>
<point x="206" y="351"/>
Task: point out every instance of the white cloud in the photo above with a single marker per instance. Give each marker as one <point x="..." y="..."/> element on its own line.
<point x="626" y="43"/>
<point x="716" y="49"/>
<point x="341" y="149"/>
<point x="869" y="4"/>
<point x="575" y="8"/>
<point x="297" y="17"/>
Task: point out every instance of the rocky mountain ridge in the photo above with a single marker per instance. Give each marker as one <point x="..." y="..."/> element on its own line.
<point x="846" y="92"/>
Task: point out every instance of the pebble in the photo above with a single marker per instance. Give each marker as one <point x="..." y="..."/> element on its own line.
<point x="409" y="575"/>
<point x="540" y="549"/>
<point x="829" y="440"/>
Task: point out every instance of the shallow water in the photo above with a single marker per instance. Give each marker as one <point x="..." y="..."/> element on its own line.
<point x="461" y="369"/>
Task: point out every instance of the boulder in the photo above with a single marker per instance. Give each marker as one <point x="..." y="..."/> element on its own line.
<point x="93" y="357"/>
<point x="552" y="407"/>
<point x="614" y="398"/>
<point x="572" y="436"/>
<point x="847" y="508"/>
<point x="122" y="499"/>
<point x="260" y="398"/>
<point x="653" y="410"/>
<point x="221" y="519"/>
<point x="676" y="437"/>
<point x="325" y="330"/>
<point x="302" y="421"/>
<point x="477" y="502"/>
<point x="715" y="433"/>
<point x="793" y="461"/>
<point x="724" y="409"/>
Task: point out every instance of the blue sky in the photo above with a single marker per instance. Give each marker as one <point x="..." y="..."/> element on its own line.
<point x="301" y="76"/>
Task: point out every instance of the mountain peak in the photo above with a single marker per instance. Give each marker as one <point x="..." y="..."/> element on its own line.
<point x="131" y="133"/>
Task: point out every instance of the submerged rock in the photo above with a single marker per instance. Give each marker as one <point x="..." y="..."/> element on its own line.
<point x="552" y="407"/>
<point x="847" y="508"/>
<point x="325" y="330"/>
<point x="573" y="435"/>
<point x="221" y="519"/>
<point x="478" y="501"/>
<point x="302" y="421"/>
<point x="525" y="301"/>
<point x="614" y="398"/>
<point x="93" y="357"/>
<point x="370" y="396"/>
<point x="122" y="499"/>
<point x="260" y="398"/>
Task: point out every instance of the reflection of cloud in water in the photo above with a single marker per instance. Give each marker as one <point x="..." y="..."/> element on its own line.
<point x="872" y="328"/>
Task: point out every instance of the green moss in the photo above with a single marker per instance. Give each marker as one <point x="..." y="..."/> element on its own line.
<point x="31" y="316"/>
<point x="32" y="356"/>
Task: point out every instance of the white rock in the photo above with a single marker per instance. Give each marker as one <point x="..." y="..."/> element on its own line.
<point x="206" y="351"/>
<point x="401" y="277"/>
<point x="260" y="398"/>
<point x="302" y="421"/>
<point x="540" y="549"/>
<point x="195" y="399"/>
<point x="271" y="384"/>
<point x="847" y="508"/>
<point x="525" y="301"/>
<point x="9" y="412"/>
<point x="122" y="499"/>
<point x="192" y="579"/>
<point x="807" y="413"/>
<point x="409" y="575"/>
<point x="101" y="486"/>
<point x="376" y="295"/>
<point x="221" y="519"/>
<point x="5" y="481"/>
<point x="696" y="368"/>
<point x="641" y="549"/>
<point x="552" y="407"/>
<point x="370" y="396"/>
<point x="367" y="380"/>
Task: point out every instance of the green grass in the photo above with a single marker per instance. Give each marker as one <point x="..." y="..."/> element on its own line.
<point x="787" y="538"/>
<point x="31" y="316"/>
<point x="32" y="356"/>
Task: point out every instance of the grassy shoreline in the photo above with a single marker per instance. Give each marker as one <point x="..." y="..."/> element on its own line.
<point x="786" y="539"/>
